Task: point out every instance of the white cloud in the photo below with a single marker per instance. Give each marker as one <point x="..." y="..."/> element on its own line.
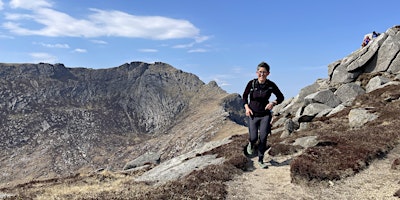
<point x="201" y="39"/>
<point x="148" y="50"/>
<point x="99" y="42"/>
<point x="43" y="57"/>
<point x="62" y="46"/>
<point x="189" y="45"/>
<point x="1" y="5"/>
<point x="118" y="23"/>
<point x="55" y="24"/>
<point x="98" y="23"/>
<point x="227" y="79"/>
<point x="80" y="50"/>
<point x="29" y="4"/>
<point x="221" y="82"/>
<point x="183" y="46"/>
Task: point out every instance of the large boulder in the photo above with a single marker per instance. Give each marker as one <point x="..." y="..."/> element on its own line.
<point x="326" y="97"/>
<point x="348" y="92"/>
<point x="360" y="116"/>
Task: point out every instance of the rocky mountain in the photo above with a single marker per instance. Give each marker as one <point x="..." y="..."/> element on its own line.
<point x="55" y="121"/>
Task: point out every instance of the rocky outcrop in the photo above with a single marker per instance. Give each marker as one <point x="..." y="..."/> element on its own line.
<point x="184" y="164"/>
<point x="145" y="159"/>
<point x="369" y="68"/>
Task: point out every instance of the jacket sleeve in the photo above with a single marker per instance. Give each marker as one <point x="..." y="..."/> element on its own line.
<point x="246" y="93"/>
<point x="279" y="96"/>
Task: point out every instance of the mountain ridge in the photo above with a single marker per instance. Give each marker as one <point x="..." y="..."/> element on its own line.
<point x="57" y="120"/>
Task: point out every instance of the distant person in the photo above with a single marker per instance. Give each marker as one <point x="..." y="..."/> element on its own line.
<point x="258" y="110"/>
<point x="366" y="41"/>
<point x="375" y="34"/>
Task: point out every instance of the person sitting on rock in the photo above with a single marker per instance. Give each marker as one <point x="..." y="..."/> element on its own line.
<point x="366" y="41"/>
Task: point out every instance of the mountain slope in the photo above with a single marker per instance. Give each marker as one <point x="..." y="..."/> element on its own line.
<point x="57" y="121"/>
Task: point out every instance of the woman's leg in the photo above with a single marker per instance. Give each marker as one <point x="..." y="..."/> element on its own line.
<point x="254" y="123"/>
<point x="265" y="127"/>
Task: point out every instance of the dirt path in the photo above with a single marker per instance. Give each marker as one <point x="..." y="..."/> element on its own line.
<point x="376" y="182"/>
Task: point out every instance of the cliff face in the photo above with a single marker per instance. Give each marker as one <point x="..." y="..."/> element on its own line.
<point x="56" y="120"/>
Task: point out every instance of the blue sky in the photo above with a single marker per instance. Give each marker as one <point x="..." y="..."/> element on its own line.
<point x="221" y="40"/>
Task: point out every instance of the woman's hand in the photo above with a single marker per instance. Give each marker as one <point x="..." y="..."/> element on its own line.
<point x="270" y="106"/>
<point x="249" y="112"/>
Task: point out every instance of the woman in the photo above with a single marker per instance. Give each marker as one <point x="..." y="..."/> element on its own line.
<point x="258" y="109"/>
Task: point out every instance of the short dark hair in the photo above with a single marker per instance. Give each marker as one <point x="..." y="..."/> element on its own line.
<point x="263" y="65"/>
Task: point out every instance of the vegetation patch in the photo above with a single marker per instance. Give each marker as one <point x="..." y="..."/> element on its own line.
<point x="343" y="151"/>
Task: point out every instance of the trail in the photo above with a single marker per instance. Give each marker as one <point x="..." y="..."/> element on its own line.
<point x="378" y="181"/>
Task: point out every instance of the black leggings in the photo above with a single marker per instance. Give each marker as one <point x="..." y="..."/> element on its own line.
<point x="259" y="127"/>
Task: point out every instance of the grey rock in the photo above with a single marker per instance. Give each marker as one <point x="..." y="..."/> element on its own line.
<point x="359" y="116"/>
<point x="376" y="82"/>
<point x="147" y="158"/>
<point x="336" y="110"/>
<point x="348" y="92"/>
<point x="184" y="164"/>
<point x="290" y="126"/>
<point x="388" y="52"/>
<point x="314" y="108"/>
<point x="306" y="142"/>
<point x="7" y="196"/>
<point x="326" y="97"/>
<point x="233" y="104"/>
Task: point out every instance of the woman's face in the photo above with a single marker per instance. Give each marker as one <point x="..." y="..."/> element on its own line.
<point x="262" y="74"/>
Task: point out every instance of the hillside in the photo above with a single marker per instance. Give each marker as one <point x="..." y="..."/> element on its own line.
<point x="57" y="121"/>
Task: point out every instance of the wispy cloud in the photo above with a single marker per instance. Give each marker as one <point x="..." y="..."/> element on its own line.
<point x="97" y="23"/>
<point x="1" y="5"/>
<point x="223" y="79"/>
<point x="62" y="46"/>
<point x="229" y="77"/>
<point x="192" y="44"/>
<point x="29" y="4"/>
<point x="99" y="41"/>
<point x="148" y="50"/>
<point x="189" y="45"/>
<point x="183" y="46"/>
<point x="80" y="50"/>
<point x="43" y="57"/>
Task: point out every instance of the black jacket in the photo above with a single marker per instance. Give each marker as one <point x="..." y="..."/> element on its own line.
<point x="258" y="97"/>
